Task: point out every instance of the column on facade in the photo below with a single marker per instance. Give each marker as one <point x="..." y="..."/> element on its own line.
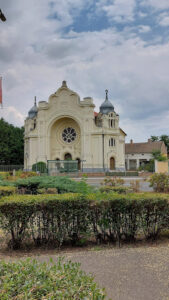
<point x="137" y="163"/>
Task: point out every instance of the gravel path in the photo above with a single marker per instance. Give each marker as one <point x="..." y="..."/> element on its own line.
<point x="127" y="273"/>
<point x="135" y="273"/>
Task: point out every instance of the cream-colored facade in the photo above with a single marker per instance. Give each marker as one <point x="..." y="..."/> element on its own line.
<point x="67" y="127"/>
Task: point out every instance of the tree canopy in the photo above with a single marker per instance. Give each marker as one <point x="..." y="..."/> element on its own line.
<point x="11" y="144"/>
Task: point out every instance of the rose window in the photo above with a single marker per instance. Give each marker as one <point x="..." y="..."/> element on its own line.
<point x="69" y="135"/>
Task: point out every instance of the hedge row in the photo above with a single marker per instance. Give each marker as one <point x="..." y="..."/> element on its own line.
<point x="72" y="218"/>
<point x="33" y="280"/>
<point x="7" y="190"/>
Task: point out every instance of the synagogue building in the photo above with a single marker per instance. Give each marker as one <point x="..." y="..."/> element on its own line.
<point x="68" y="128"/>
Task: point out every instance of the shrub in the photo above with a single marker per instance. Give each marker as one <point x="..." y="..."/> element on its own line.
<point x="158" y="156"/>
<point x="4" y="175"/>
<point x="61" y="183"/>
<point x="7" y="190"/>
<point x="117" y="189"/>
<point x="39" y="167"/>
<point x="135" y="185"/>
<point x="116" y="181"/>
<point x="6" y="183"/>
<point x="160" y="182"/>
<point x="22" y="174"/>
<point x="30" y="279"/>
<point x="59" y="219"/>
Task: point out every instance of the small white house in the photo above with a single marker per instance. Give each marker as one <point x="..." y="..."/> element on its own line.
<point x="138" y="154"/>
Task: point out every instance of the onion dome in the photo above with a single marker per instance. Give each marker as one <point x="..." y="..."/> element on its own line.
<point x="33" y="111"/>
<point x="106" y="106"/>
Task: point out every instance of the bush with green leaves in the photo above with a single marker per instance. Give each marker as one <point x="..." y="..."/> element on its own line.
<point x="7" y="190"/>
<point x="159" y="156"/>
<point x="63" y="184"/>
<point x="116" y="189"/>
<point x="160" y="182"/>
<point x="39" y="167"/>
<point x="68" y="218"/>
<point x="30" y="279"/>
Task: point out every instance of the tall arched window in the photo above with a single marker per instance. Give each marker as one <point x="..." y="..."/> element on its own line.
<point x="112" y="121"/>
<point x="112" y="142"/>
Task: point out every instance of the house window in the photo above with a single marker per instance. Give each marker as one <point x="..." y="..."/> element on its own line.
<point x="112" y="142"/>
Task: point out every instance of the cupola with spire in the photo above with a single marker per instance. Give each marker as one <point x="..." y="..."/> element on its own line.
<point x="106" y="106"/>
<point x="33" y="111"/>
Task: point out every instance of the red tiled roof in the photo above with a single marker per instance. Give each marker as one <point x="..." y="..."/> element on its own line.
<point x="143" y="147"/>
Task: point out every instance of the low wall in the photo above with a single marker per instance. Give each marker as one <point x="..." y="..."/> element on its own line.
<point x="161" y="167"/>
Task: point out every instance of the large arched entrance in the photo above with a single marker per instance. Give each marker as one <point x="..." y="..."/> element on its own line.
<point x="112" y="163"/>
<point x="68" y="156"/>
<point x="65" y="139"/>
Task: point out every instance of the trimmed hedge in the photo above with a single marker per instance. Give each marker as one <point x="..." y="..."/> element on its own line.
<point x="57" y="219"/>
<point x="7" y="190"/>
<point x="30" y="279"/>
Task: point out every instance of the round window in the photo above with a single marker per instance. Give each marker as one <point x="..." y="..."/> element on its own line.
<point x="69" y="135"/>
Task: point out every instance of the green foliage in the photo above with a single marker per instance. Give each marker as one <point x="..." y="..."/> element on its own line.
<point x="115" y="181"/>
<point x="158" y="156"/>
<point x="12" y="144"/>
<point x="116" y="189"/>
<point x="70" y="218"/>
<point x="160" y="182"/>
<point x="148" y="167"/>
<point x="39" y="167"/>
<point x="63" y="184"/>
<point x="164" y="138"/>
<point x="30" y="280"/>
<point x="154" y="138"/>
<point x="7" y="190"/>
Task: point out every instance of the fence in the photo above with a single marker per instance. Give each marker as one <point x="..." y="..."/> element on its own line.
<point x="8" y="168"/>
<point x="58" y="167"/>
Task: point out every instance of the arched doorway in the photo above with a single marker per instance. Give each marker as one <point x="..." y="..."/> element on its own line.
<point x="68" y="156"/>
<point x="79" y="163"/>
<point x="112" y="163"/>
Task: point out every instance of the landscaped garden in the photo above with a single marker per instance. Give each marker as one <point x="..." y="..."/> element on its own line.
<point x="58" y="212"/>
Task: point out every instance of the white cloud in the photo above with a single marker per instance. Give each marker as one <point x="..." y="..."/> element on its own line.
<point x="156" y="4"/>
<point x="140" y="131"/>
<point x="37" y="55"/>
<point x="119" y="10"/>
<point x="163" y="19"/>
<point x="12" y="115"/>
<point x="144" y="28"/>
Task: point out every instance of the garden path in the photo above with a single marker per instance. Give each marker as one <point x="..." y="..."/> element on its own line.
<point x="128" y="273"/>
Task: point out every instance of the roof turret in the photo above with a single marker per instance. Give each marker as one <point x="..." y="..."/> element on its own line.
<point x="106" y="106"/>
<point x="33" y="111"/>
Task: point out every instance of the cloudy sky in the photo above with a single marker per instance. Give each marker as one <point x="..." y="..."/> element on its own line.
<point x="119" y="45"/>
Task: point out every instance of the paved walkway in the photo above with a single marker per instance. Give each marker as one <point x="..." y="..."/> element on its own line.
<point x="144" y="185"/>
<point x="127" y="273"/>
